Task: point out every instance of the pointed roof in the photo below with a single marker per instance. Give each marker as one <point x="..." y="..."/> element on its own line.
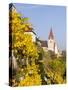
<point x="43" y="43"/>
<point x="51" y="34"/>
<point x="11" y="6"/>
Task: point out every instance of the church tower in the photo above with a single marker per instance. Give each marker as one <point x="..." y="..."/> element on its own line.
<point x="51" y="42"/>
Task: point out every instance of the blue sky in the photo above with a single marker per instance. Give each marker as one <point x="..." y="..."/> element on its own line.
<point x="43" y="17"/>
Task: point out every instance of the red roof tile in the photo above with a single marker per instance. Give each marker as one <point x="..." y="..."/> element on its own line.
<point x="44" y="43"/>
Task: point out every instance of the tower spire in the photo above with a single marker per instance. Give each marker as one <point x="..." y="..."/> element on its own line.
<point x="51" y="36"/>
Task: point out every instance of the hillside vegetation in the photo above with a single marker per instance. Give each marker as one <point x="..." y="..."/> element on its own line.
<point x="29" y="64"/>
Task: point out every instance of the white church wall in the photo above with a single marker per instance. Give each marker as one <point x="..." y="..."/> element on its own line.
<point x="45" y="49"/>
<point x="51" y="45"/>
<point x="56" y="49"/>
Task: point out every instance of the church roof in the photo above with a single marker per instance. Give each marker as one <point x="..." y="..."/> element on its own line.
<point x="51" y="35"/>
<point x="44" y="43"/>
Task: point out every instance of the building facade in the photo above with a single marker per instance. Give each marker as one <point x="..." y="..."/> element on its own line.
<point x="52" y="46"/>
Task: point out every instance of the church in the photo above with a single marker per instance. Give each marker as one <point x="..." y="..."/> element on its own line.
<point x="47" y="45"/>
<point x="51" y="44"/>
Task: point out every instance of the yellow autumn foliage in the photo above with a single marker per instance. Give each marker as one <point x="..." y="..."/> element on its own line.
<point x="31" y="78"/>
<point x="23" y="42"/>
<point x="31" y="81"/>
